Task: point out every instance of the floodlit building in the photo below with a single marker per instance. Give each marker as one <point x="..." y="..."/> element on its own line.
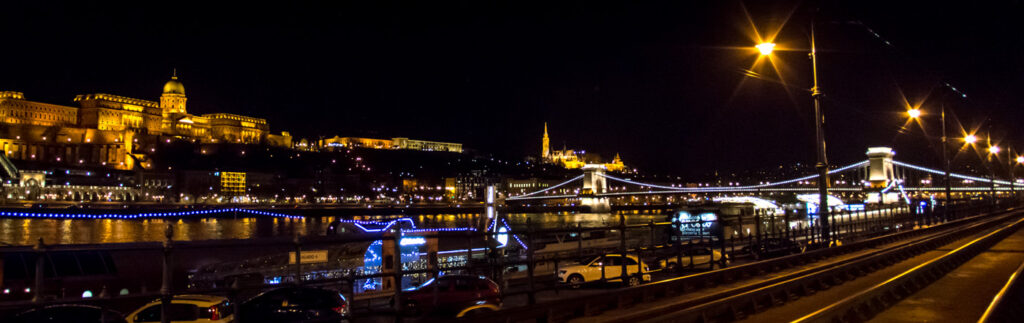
<point x="573" y="159"/>
<point x="115" y="131"/>
<point x="393" y="143"/>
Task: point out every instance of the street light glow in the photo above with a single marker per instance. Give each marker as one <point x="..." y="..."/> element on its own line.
<point x="971" y="139"/>
<point x="765" y="48"/>
<point x="993" y="149"/>
<point x="914" y="113"/>
<point x="1020" y="159"/>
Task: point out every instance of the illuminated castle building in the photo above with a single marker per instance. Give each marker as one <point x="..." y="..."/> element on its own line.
<point x="572" y="159"/>
<point x="116" y="131"/>
<point x="393" y="143"/>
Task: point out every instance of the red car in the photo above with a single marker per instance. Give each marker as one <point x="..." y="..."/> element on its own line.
<point x="453" y="295"/>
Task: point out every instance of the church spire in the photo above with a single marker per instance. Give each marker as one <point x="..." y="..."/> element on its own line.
<point x="545" y="149"/>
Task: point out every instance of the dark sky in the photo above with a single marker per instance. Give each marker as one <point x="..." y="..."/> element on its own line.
<point x="658" y="82"/>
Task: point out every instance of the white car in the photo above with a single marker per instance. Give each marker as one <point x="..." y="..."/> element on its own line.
<point x="187" y="308"/>
<point x="608" y="266"/>
<point x="701" y="257"/>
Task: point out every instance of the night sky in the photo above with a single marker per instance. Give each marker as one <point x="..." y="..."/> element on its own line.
<point x="658" y="82"/>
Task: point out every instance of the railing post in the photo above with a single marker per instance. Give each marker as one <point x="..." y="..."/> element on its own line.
<point x="165" y="286"/>
<point x="757" y="226"/>
<point x="650" y="225"/>
<point x="689" y="252"/>
<point x="785" y="218"/>
<point x="579" y="241"/>
<point x="622" y="246"/>
<point x="397" y="249"/>
<point x="531" y="297"/>
<point x="296" y="241"/>
<point x="40" y="249"/>
<point x="677" y="244"/>
<point x="469" y="254"/>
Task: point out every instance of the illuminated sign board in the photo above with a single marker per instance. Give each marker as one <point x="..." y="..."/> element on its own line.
<point x="695" y="224"/>
<point x="309" y="257"/>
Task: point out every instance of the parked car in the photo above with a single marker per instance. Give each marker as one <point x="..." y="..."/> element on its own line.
<point x="186" y="308"/>
<point x="608" y="266"/>
<point x="67" y="314"/>
<point x="700" y="256"/>
<point x="453" y="295"/>
<point x="295" y="304"/>
<point x="773" y="247"/>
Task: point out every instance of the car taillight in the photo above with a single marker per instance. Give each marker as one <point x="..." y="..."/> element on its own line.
<point x="214" y="313"/>
<point x="340" y="309"/>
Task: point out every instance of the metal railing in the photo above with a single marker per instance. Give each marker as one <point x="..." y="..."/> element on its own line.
<point x="647" y="241"/>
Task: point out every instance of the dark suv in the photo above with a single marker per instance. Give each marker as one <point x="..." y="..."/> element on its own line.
<point x="295" y="304"/>
<point x="772" y="247"/>
<point x="453" y="295"/>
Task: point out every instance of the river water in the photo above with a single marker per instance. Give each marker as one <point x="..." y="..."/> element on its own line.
<point x="24" y="231"/>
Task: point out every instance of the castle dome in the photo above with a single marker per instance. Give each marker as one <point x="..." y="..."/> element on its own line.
<point x="173" y="86"/>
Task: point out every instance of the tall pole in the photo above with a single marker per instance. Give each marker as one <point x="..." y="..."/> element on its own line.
<point x="991" y="167"/>
<point x="1009" y="164"/>
<point x="945" y="156"/>
<point x="822" y="165"/>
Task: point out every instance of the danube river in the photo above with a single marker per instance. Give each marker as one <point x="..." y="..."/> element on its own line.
<point x="24" y="231"/>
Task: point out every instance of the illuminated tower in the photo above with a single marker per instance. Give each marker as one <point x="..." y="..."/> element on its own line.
<point x="173" y="98"/>
<point x="545" y="149"/>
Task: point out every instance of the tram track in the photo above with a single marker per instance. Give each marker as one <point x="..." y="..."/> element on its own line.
<point x="651" y="301"/>
<point x="752" y="296"/>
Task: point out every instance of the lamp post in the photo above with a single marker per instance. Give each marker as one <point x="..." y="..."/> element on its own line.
<point x="945" y="159"/>
<point x="915" y="113"/>
<point x="992" y="150"/>
<point x="819" y="119"/>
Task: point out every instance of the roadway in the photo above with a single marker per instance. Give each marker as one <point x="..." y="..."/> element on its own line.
<point x="961" y="295"/>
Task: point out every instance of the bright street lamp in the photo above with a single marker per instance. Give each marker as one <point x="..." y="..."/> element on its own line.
<point x="971" y="139"/>
<point x="993" y="149"/>
<point x="914" y="113"/>
<point x="1020" y="159"/>
<point x="766" y="48"/>
<point x="821" y="166"/>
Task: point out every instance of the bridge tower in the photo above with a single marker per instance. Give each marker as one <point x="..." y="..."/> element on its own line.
<point x="880" y="169"/>
<point x="594" y="182"/>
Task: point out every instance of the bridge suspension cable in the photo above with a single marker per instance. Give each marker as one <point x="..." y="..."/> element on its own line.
<point x="725" y="188"/>
<point x="939" y="172"/>
<point x="521" y="196"/>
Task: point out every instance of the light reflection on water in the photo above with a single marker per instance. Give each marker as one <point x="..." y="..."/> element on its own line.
<point x="19" y="231"/>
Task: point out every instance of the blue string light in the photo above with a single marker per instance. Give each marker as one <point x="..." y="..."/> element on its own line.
<point x="144" y="215"/>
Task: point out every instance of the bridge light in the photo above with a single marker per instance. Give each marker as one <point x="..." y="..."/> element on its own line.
<point x="993" y="149"/>
<point x="1020" y="159"/>
<point x="914" y="113"/>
